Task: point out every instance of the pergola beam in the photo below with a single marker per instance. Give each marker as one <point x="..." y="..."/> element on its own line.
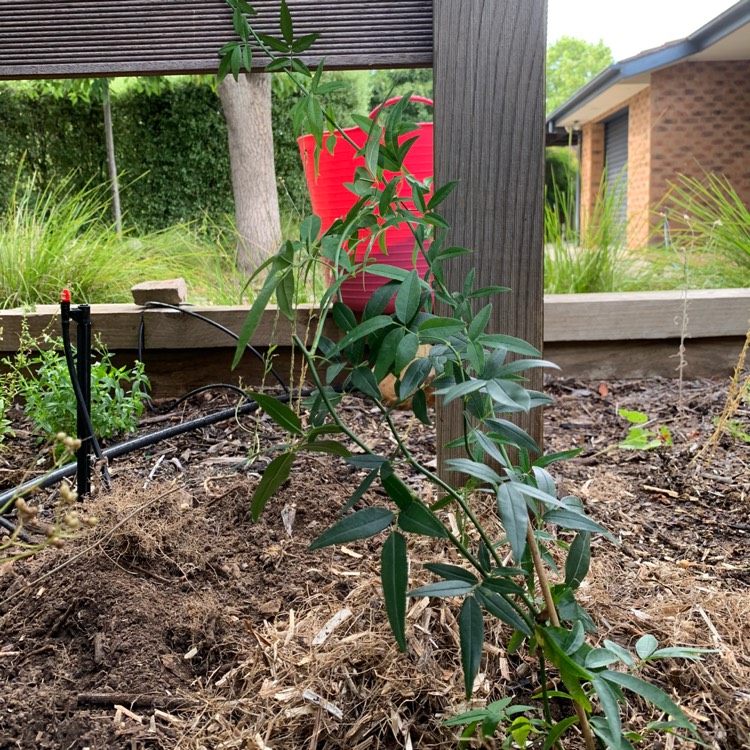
<point x="489" y="62"/>
<point x="90" y="38"/>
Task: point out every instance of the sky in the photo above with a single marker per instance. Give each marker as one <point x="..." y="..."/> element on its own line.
<point x="633" y="26"/>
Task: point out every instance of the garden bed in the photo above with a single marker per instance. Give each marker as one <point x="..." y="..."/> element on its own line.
<point x="176" y="622"/>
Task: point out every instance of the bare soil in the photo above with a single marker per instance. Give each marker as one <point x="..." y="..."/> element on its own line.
<point x="178" y="623"/>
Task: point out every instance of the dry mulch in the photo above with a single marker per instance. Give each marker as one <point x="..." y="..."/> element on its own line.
<point x="178" y="623"/>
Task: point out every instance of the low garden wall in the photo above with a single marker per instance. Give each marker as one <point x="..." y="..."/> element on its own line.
<point x="590" y="336"/>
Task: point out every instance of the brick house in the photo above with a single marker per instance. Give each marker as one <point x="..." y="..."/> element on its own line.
<point x="682" y="108"/>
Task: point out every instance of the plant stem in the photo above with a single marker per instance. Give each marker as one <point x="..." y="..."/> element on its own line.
<point x="549" y="602"/>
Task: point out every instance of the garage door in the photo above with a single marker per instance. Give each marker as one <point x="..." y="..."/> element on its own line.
<point x="616" y="162"/>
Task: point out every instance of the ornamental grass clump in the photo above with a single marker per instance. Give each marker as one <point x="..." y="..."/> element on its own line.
<point x="61" y="236"/>
<point x="708" y="217"/>
<point x="594" y="259"/>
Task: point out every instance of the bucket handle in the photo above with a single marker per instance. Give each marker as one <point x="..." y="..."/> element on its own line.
<point x="396" y="99"/>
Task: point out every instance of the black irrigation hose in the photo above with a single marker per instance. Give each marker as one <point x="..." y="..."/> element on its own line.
<point x="140" y="442"/>
<point x="226" y="330"/>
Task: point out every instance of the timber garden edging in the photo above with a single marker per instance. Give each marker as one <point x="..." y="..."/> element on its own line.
<point x="590" y="336"/>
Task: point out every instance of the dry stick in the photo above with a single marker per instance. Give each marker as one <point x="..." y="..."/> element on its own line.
<point x="555" y="620"/>
<point x="88" y="549"/>
<point x="136" y="700"/>
<point x="737" y="389"/>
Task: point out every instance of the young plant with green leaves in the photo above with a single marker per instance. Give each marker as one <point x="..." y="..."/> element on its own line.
<point x="640" y="436"/>
<point x="516" y="578"/>
<point x="38" y="374"/>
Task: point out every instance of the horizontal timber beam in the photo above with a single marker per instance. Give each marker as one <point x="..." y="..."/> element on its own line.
<point x="631" y="335"/>
<point x="89" y="38"/>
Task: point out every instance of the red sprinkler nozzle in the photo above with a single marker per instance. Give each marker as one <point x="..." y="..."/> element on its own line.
<point x="65" y="295"/>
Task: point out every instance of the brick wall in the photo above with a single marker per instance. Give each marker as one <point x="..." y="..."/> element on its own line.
<point x="700" y="113"/>
<point x="693" y="118"/>
<point x="592" y="166"/>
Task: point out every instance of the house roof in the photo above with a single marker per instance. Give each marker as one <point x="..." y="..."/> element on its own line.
<point x="726" y="37"/>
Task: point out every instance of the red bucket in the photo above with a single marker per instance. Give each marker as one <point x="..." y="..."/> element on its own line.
<point x="331" y="200"/>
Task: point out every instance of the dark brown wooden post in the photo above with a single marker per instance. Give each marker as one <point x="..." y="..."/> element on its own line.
<point x="489" y="59"/>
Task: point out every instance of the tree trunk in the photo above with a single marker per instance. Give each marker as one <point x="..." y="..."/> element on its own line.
<point x="111" y="160"/>
<point x="247" y="109"/>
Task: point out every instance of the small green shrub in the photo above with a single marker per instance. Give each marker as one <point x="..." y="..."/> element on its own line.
<point x="39" y="376"/>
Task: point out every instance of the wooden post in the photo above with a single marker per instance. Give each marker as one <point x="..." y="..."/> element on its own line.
<point x="489" y="60"/>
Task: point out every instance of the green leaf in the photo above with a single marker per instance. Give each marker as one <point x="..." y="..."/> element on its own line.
<point x="498" y="607"/>
<point x="407" y="299"/>
<point x="367" y="461"/>
<point x="622" y="654"/>
<point x="550" y="458"/>
<point x="415" y="376"/>
<point x="279" y="413"/>
<point x="634" y="417"/>
<point x="608" y="699"/>
<point x="385" y="355"/>
<point x="280" y="63"/>
<point x="514" y="514"/>
<point x="508" y="396"/>
<point x="443" y="588"/>
<point x="578" y="560"/>
<point x="651" y="693"/>
<point x="511" y="343"/>
<point x="365" y="381"/>
<point x="570" y="672"/>
<point x="406" y="351"/>
<point x="502" y="586"/>
<point x="360" y="491"/>
<point x="394" y="577"/>
<point x="474" y="469"/>
<point x="557" y="731"/>
<point x="343" y="316"/>
<point x="417" y="518"/>
<point x="471" y="632"/>
<point x="570" y="519"/>
<point x="481" y="319"/>
<point x="419" y="407"/>
<point x="257" y="310"/>
<point x="331" y="447"/>
<point x="682" y="652"/>
<point x="275" y="474"/>
<point x="395" y="487"/>
<point x="513" y="434"/>
<point x="304" y="43"/>
<point x="441" y="194"/>
<point x="364" y="329"/>
<point x="439" y="329"/>
<point x="359" y="525"/>
<point x="600" y="657"/>
<point x="460" y="390"/>
<point x="452" y="572"/>
<point x="287" y="30"/>
<point x="646" y="645"/>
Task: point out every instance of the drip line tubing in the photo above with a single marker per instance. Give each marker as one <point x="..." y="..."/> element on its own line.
<point x="228" y="331"/>
<point x="140" y="442"/>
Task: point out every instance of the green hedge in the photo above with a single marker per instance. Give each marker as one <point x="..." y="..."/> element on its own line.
<point x="172" y="151"/>
<point x="171" y="146"/>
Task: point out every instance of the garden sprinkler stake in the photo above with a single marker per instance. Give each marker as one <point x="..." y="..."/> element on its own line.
<point x="81" y="377"/>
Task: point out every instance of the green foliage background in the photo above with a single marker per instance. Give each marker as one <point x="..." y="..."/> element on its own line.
<point x="170" y="142"/>
<point x="572" y="63"/>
